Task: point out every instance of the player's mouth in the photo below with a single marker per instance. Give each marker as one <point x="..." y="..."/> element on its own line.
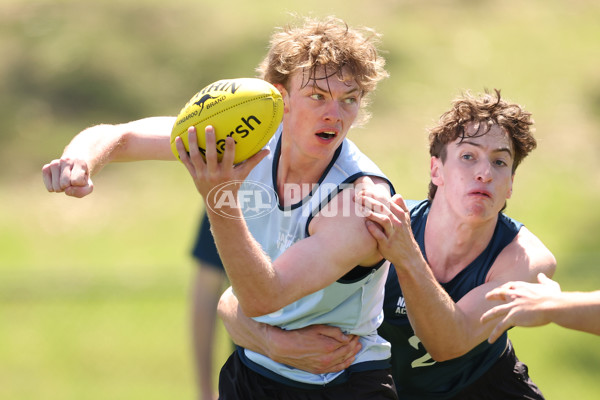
<point x="481" y="193"/>
<point x="327" y="135"/>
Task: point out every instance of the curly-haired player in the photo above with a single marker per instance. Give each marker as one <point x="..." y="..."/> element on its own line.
<point x="448" y="251"/>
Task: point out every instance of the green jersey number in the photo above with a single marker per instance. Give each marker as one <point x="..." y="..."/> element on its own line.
<point x="423" y="361"/>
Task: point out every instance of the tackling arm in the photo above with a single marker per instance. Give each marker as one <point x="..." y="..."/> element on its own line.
<point x="317" y="348"/>
<point x="536" y="304"/>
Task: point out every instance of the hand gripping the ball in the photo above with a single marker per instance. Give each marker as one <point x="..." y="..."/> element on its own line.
<point x="212" y="172"/>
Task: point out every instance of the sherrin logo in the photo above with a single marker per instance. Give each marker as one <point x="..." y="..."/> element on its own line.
<point x="256" y="199"/>
<point x="200" y="103"/>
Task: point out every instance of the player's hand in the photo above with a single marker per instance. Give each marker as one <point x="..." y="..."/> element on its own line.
<point x="389" y="223"/>
<point x="373" y="187"/>
<point x="317" y="349"/>
<point x="211" y="173"/>
<point x="71" y="176"/>
<point x="524" y="304"/>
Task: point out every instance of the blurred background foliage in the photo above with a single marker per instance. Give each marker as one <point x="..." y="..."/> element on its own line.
<point x="94" y="291"/>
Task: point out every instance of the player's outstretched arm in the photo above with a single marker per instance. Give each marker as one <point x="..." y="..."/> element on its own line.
<point x="94" y="147"/>
<point x="317" y="348"/>
<point x="537" y="304"/>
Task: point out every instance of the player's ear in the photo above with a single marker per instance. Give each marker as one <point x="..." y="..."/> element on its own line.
<point x="284" y="95"/>
<point x="435" y="171"/>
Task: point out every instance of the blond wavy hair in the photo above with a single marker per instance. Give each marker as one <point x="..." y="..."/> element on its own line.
<point x="329" y="43"/>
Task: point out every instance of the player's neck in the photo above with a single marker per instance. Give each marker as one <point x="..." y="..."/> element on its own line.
<point x="294" y="173"/>
<point x="295" y="183"/>
<point x="452" y="242"/>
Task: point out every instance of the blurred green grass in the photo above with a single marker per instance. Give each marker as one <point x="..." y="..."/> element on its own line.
<point x="94" y="291"/>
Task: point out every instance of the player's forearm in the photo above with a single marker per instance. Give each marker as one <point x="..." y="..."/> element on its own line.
<point x="577" y="310"/>
<point x="95" y="145"/>
<point x="146" y="139"/>
<point x="244" y="331"/>
<point x="249" y="269"/>
<point x="317" y="348"/>
<point x="436" y="319"/>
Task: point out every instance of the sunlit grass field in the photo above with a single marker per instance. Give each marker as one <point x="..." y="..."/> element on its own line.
<point x="94" y="292"/>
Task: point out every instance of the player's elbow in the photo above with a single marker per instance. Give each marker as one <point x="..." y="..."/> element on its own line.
<point x="550" y="267"/>
<point x="253" y="312"/>
<point x="441" y="356"/>
<point x="258" y="307"/>
<point x="445" y="353"/>
<point x="227" y="305"/>
<point x="444" y="349"/>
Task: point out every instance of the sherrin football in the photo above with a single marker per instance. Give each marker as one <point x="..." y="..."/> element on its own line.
<point x="247" y="109"/>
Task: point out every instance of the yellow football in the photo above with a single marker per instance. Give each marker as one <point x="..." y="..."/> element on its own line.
<point x="247" y="109"/>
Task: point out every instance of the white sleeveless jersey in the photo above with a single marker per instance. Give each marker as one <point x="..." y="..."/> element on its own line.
<point x="353" y="303"/>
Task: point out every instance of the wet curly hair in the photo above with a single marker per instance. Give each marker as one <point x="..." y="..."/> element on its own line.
<point x="486" y="109"/>
<point x="329" y="43"/>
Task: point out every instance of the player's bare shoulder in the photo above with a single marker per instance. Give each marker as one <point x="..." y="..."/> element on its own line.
<point x="541" y="258"/>
<point x="523" y="259"/>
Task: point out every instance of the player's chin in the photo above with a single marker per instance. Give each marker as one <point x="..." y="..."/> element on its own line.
<point x="478" y="206"/>
<point x="480" y="212"/>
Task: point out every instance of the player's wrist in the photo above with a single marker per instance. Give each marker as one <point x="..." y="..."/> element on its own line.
<point x="272" y="342"/>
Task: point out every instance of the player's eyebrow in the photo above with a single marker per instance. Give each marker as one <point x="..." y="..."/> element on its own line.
<point x="316" y="87"/>
<point x="500" y="149"/>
